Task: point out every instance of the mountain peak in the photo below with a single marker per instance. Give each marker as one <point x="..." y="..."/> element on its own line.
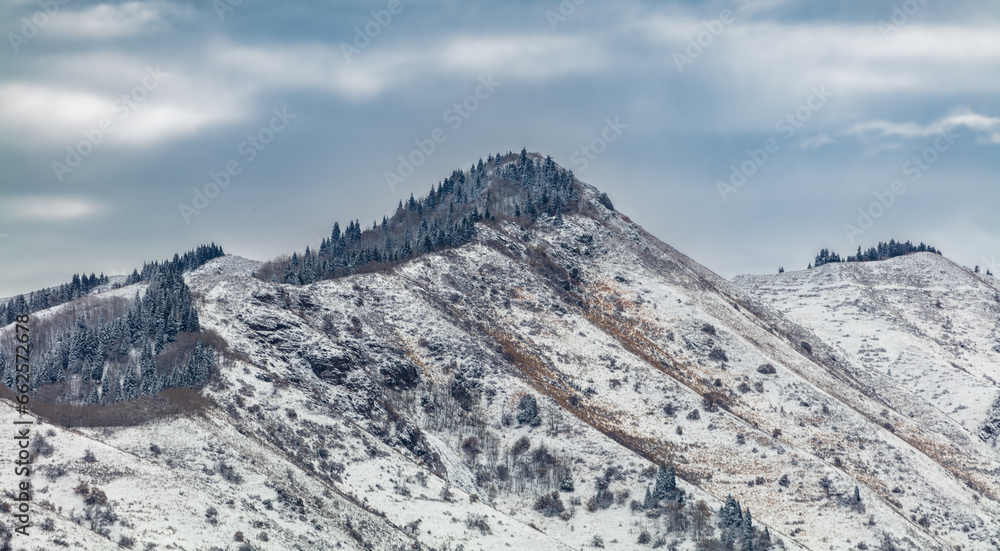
<point x="524" y="188"/>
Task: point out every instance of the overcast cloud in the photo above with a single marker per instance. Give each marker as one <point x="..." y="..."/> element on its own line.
<point x="751" y="131"/>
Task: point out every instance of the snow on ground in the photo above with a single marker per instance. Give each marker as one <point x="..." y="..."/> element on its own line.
<point x="228" y="265"/>
<point x="922" y="320"/>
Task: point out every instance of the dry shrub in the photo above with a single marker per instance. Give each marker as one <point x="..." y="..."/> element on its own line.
<point x="275" y="268"/>
<point x="172" y="401"/>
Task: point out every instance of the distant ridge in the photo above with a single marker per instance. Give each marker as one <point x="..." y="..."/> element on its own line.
<point x="882" y="251"/>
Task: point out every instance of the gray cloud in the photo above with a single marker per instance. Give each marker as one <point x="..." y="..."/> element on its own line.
<point x="686" y="129"/>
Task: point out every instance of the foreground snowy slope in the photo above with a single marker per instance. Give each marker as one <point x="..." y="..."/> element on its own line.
<point x="519" y="392"/>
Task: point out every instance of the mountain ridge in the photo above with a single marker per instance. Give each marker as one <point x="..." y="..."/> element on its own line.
<point x="391" y="408"/>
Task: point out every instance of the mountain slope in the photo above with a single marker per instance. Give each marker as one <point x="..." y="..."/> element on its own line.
<point x="434" y="403"/>
<point x="930" y="325"/>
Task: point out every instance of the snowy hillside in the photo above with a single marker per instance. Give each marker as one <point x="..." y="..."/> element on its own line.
<point x="519" y="391"/>
<point x="928" y="325"/>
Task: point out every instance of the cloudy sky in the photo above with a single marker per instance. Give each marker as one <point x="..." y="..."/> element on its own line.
<point x="746" y="133"/>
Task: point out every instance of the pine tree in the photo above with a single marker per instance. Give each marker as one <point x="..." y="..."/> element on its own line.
<point x="6" y="371"/>
<point x="666" y="483"/>
<point x="95" y="369"/>
<point x="748" y="543"/>
<point x="130" y="386"/>
<point x="566" y="481"/>
<point x="731" y="513"/>
<point x="159" y="338"/>
<point x="79" y="347"/>
<point x="199" y="367"/>
<point x="92" y="397"/>
<point x="648" y="502"/>
<point x="406" y="250"/>
<point x="147" y="371"/>
<point x="106" y="396"/>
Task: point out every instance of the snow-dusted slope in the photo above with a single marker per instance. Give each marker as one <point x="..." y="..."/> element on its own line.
<point x="931" y="326"/>
<point x="381" y="410"/>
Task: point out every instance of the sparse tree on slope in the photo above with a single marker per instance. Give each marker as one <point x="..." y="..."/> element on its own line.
<point x="666" y="483"/>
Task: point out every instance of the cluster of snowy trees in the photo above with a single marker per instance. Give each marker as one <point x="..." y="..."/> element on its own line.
<point x="732" y="529"/>
<point x="826" y="257"/>
<point x="891" y="249"/>
<point x="882" y="251"/>
<point x="118" y="351"/>
<point x="522" y="187"/>
<point x="190" y="260"/>
<point x="736" y="525"/>
<point x="81" y="285"/>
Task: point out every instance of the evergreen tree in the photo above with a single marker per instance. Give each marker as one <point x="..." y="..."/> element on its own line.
<point x="199" y="367"/>
<point x="92" y="397"/>
<point x="95" y="369"/>
<point x="130" y="384"/>
<point x="748" y="543"/>
<point x="527" y="411"/>
<point x="106" y="395"/>
<point x="7" y="371"/>
<point x="826" y="257"/>
<point x="147" y="371"/>
<point x="666" y="483"/>
<point x="731" y="514"/>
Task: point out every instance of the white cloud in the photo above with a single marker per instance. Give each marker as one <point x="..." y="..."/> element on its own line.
<point x="224" y="82"/>
<point x="381" y="66"/>
<point x="47" y="110"/>
<point x="529" y="57"/>
<point x="774" y="56"/>
<point x="115" y="20"/>
<point x="988" y="128"/>
<point x="816" y="142"/>
<point x="316" y="66"/>
<point x="51" y="208"/>
<point x="142" y="109"/>
<point x="756" y="69"/>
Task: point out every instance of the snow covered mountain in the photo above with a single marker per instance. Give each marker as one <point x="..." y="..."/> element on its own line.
<point x="522" y="389"/>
